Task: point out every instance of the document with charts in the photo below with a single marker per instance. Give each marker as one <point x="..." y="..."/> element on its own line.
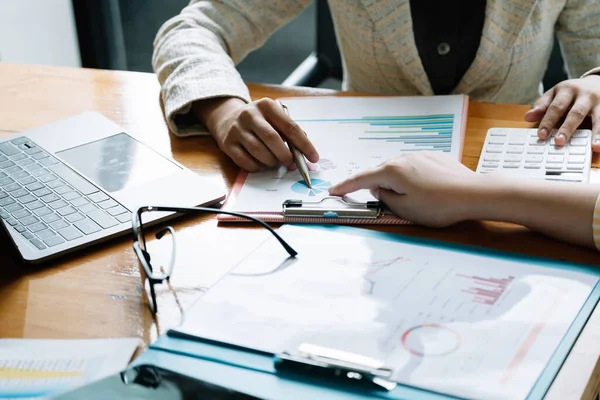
<point x="351" y="134"/>
<point x="40" y="368"/>
<point x="448" y="320"/>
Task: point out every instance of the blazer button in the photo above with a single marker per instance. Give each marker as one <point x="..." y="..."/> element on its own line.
<point x="443" y="48"/>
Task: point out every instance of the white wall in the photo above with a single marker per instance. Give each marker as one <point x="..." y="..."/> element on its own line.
<point x="38" y="32"/>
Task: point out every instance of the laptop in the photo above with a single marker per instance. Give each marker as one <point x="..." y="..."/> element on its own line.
<point x="75" y="182"/>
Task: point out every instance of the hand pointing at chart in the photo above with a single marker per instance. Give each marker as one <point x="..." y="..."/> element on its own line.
<point x="435" y="190"/>
<point x="419" y="186"/>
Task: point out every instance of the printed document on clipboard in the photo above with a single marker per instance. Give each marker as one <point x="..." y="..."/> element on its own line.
<point x="453" y="320"/>
<point x="351" y="134"/>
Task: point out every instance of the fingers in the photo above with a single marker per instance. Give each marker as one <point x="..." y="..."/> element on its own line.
<point x="274" y="142"/>
<point x="596" y="129"/>
<point x="575" y="117"/>
<point x="284" y="124"/>
<point x="363" y="180"/>
<point x="560" y="104"/>
<point x="540" y="106"/>
<point x="258" y="150"/>
<point x="241" y="157"/>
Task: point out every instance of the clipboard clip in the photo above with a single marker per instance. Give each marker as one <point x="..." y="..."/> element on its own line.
<point x="332" y="207"/>
<point x="337" y="365"/>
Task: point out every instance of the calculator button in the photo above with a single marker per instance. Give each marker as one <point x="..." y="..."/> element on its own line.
<point x="513" y="157"/>
<point x="497" y="132"/>
<point x="533" y="133"/>
<point x="555" y="159"/>
<point x="579" y="142"/>
<point x="556" y="150"/>
<point x="515" y="149"/>
<point x="497" y="140"/>
<point x="490" y="165"/>
<point x="492" y="157"/>
<point x="576" y="159"/>
<point x="577" y="167"/>
<point x="537" y="142"/>
<point x="518" y="138"/>
<point x="536" y="150"/>
<point x="533" y="158"/>
<point x="554" y="166"/>
<point x="533" y="166"/>
<point x="511" y="165"/>
<point x="577" y="150"/>
<point x="580" y="134"/>
<point x="494" y="149"/>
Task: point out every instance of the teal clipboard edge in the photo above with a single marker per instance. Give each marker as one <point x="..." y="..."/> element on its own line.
<point x="246" y="362"/>
<point x="181" y="345"/>
<point x="560" y="354"/>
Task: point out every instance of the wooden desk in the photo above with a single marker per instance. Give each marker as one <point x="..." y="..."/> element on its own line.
<point x="98" y="292"/>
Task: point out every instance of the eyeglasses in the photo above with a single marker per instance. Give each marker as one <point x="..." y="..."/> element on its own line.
<point x="158" y="274"/>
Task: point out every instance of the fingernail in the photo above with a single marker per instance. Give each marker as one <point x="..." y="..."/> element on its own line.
<point x="597" y="141"/>
<point x="544" y="132"/>
<point x="561" y="136"/>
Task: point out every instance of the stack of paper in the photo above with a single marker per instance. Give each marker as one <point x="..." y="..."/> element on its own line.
<point x="38" y="369"/>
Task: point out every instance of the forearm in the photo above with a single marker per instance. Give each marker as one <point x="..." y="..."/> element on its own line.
<point x="561" y="210"/>
<point x="195" y="52"/>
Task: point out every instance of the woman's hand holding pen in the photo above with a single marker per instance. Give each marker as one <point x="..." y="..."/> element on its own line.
<point x="254" y="134"/>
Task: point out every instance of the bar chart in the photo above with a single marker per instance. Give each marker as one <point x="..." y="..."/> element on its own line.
<point x="486" y="290"/>
<point x="414" y="132"/>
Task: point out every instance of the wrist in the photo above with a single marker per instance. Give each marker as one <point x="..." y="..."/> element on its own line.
<point x="489" y="197"/>
<point x="212" y="111"/>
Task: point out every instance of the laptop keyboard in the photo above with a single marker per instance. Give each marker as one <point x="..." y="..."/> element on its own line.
<point x="46" y="201"/>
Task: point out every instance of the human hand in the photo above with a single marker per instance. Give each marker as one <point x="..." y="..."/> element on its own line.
<point x="428" y="188"/>
<point x="254" y="134"/>
<point x="577" y="98"/>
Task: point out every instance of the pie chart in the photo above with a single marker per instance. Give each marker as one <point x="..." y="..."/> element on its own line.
<point x="431" y="340"/>
<point x="318" y="186"/>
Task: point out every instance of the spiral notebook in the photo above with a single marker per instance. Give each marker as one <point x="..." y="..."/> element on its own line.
<point x="351" y="134"/>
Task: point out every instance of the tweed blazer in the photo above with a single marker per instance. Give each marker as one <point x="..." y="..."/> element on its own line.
<point x="195" y="52"/>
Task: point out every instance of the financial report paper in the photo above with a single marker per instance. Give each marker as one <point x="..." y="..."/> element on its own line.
<point x="446" y="320"/>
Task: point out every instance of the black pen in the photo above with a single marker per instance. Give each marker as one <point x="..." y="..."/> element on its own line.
<point x="298" y="157"/>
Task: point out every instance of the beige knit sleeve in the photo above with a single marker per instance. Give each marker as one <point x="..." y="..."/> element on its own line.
<point x="578" y="32"/>
<point x="195" y="52"/>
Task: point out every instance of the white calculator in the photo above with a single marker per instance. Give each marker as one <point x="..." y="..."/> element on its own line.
<point x="518" y="152"/>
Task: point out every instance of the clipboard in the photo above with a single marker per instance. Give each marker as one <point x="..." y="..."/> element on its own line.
<point x="328" y="210"/>
<point x="352" y="134"/>
<point x="314" y="371"/>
